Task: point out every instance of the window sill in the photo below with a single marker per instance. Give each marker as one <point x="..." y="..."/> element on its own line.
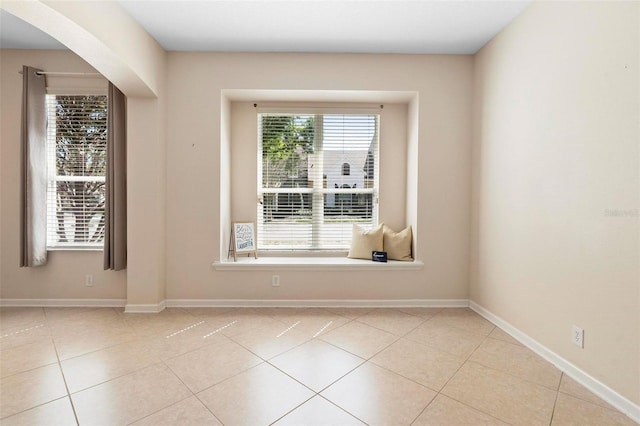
<point x="314" y="264"/>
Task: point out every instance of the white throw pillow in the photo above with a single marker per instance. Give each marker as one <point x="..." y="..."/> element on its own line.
<point x="397" y="244"/>
<point x="364" y="242"/>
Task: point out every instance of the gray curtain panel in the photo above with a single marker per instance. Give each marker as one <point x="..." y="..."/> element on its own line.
<point x="33" y="208"/>
<point x="115" y="211"/>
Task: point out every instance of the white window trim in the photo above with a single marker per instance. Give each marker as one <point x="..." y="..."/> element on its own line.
<point x="368" y="109"/>
<point x="51" y="167"/>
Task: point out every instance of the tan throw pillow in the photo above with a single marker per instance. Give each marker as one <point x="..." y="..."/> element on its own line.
<point x="397" y="244"/>
<point x="364" y="242"/>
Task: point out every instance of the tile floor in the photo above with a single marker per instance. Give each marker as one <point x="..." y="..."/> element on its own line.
<point x="207" y="366"/>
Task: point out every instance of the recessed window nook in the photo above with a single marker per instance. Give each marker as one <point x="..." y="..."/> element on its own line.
<point x="238" y="171"/>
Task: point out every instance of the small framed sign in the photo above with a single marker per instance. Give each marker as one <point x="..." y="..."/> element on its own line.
<point x="243" y="239"/>
<point x="379" y="256"/>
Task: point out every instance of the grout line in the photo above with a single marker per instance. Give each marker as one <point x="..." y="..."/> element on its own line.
<point x="294" y="408"/>
<point x="193" y="394"/>
<point x="555" y="403"/>
<point x="342" y="408"/>
<point x="462" y="364"/>
<point x="425" y="408"/>
<point x="207" y="407"/>
<point x="318" y="336"/>
<point x="189" y="389"/>
<point x="316" y="393"/>
<point x="64" y="379"/>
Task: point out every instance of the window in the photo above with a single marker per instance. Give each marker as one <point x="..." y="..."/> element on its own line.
<point x="306" y="201"/>
<point x="77" y="157"/>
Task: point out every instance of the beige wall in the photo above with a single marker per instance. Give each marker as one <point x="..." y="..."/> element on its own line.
<point x="197" y="137"/>
<point x="393" y="154"/>
<point x="64" y="275"/>
<point x="555" y="150"/>
<point x="438" y="160"/>
<point x="128" y="57"/>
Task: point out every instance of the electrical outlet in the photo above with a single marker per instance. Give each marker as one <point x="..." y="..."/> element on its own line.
<point x="275" y="280"/>
<point x="577" y="336"/>
<point x="88" y="280"/>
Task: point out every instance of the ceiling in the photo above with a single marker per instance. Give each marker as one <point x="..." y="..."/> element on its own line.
<point x="345" y="26"/>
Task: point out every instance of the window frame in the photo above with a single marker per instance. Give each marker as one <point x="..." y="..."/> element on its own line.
<point x="53" y="178"/>
<point x="318" y="191"/>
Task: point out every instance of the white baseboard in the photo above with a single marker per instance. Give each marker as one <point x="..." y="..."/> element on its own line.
<point x="64" y="303"/>
<point x="151" y="308"/>
<point x="204" y="303"/>
<point x="318" y="303"/>
<point x="600" y="389"/>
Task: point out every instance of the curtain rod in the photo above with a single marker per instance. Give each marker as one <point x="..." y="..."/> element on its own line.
<point x="69" y="74"/>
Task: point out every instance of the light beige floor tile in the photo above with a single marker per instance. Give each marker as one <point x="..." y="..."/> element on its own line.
<point x="464" y="319"/>
<point x="17" y="336"/>
<point x="445" y="411"/>
<point x="168" y="321"/>
<point x="72" y="345"/>
<point x="458" y="312"/>
<point x="188" y="412"/>
<point x="292" y="314"/>
<point x="26" y="357"/>
<point x="258" y="396"/>
<point x="212" y="364"/>
<point x="501" y="395"/>
<point x="271" y="340"/>
<point x="286" y="314"/>
<point x="72" y="320"/>
<point x="316" y="364"/>
<point x="423" y="313"/>
<point x="31" y="388"/>
<point x="11" y="317"/>
<point x="378" y="396"/>
<point x="574" y="411"/>
<point x="204" y="313"/>
<point x="453" y="340"/>
<point x="240" y="321"/>
<point x="420" y="363"/>
<point x="100" y="366"/>
<point x="312" y="322"/>
<point x="129" y="398"/>
<point x="56" y="314"/>
<point x="58" y="413"/>
<point x="350" y="313"/>
<point x="575" y="389"/>
<point x="318" y="325"/>
<point x="103" y="321"/>
<point x="318" y="412"/>
<point x="499" y="334"/>
<point x="518" y="361"/>
<point x="179" y="342"/>
<point x="391" y="320"/>
<point x="111" y="362"/>
<point x="359" y="339"/>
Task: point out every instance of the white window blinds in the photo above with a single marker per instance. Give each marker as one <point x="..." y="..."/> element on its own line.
<point x="307" y="199"/>
<point x="76" y="144"/>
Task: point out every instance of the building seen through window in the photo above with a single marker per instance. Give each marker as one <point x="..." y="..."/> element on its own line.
<point x="317" y="177"/>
